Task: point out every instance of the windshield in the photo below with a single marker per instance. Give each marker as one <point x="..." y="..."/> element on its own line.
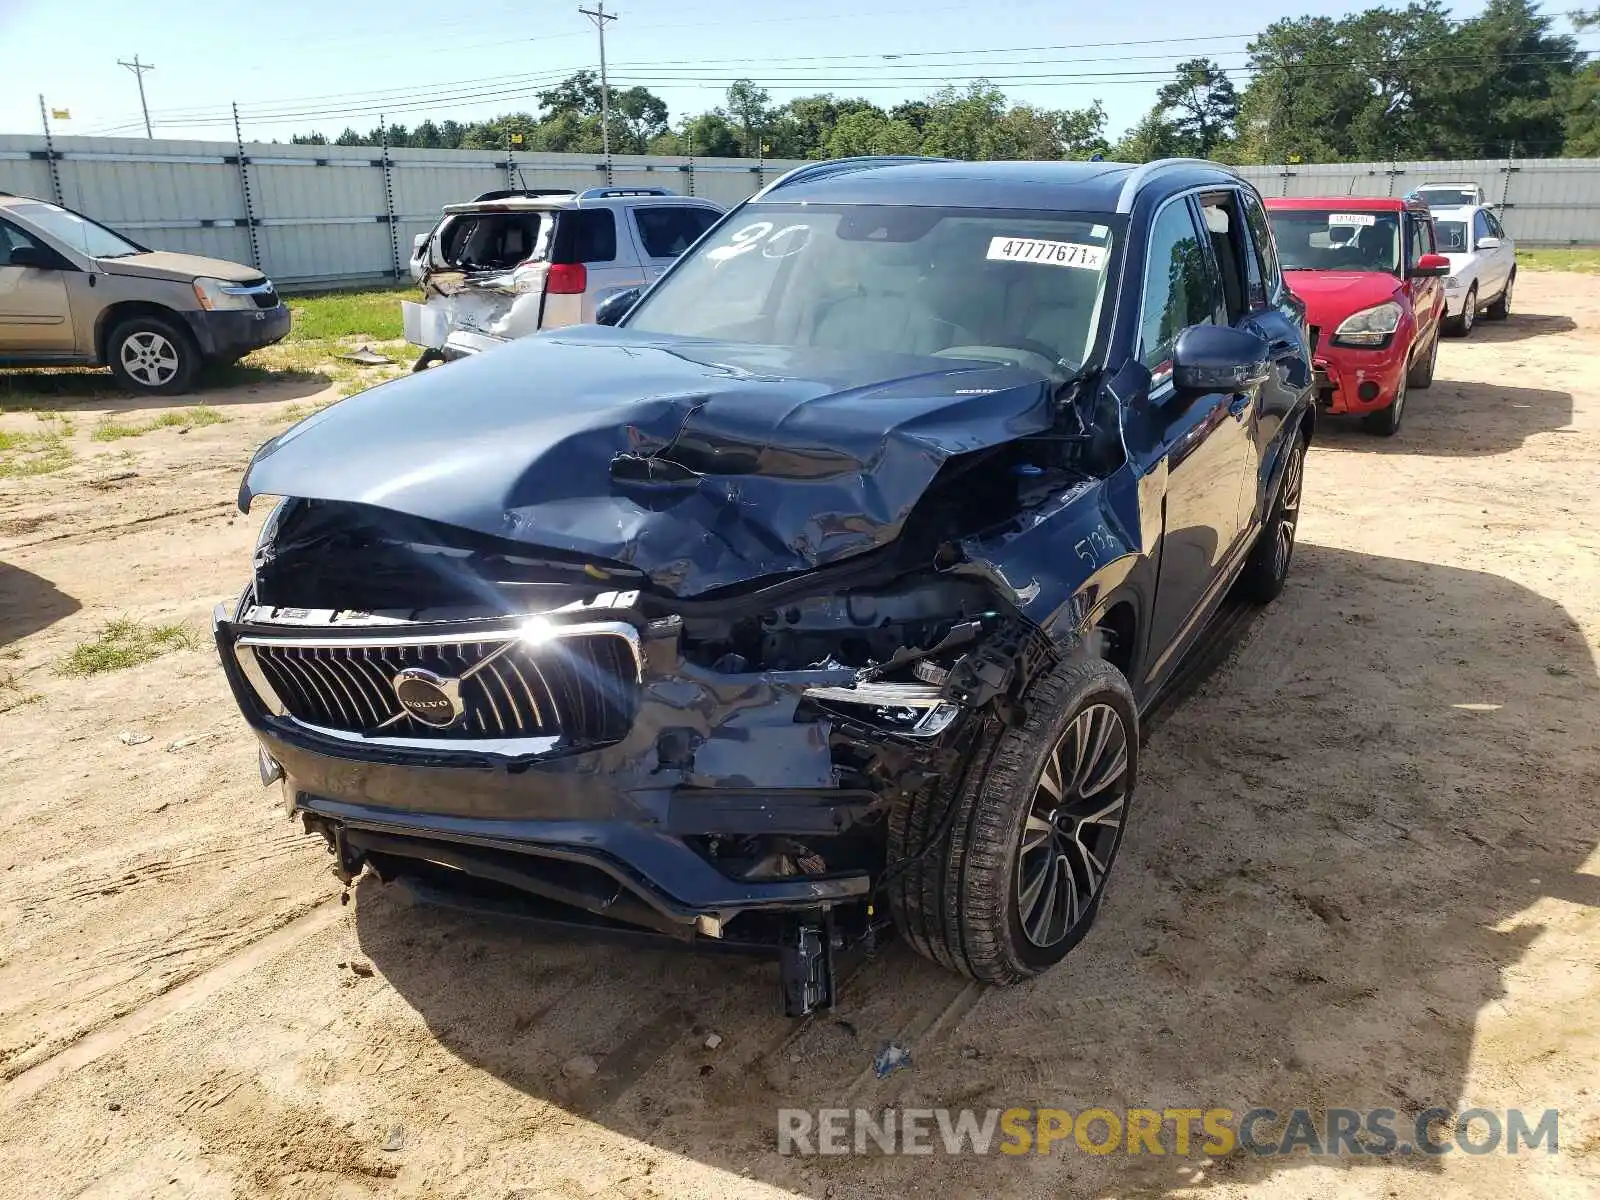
<point x="78" y="232"/>
<point x="990" y="284"/>
<point x="1448" y="197"/>
<point x="1452" y="236"/>
<point x="1324" y="240"/>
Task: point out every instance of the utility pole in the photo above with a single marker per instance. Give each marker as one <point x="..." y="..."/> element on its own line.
<point x="600" y="16"/>
<point x="138" y="68"/>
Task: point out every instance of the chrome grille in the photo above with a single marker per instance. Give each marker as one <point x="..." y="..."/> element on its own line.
<point x="578" y="683"/>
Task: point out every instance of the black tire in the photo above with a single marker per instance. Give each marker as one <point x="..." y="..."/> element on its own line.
<point x="1500" y="307"/>
<point x="1386" y="421"/>
<point x="1420" y="374"/>
<point x="153" y="356"/>
<point x="1267" y="568"/>
<point x="1462" y="326"/>
<point x="961" y="903"/>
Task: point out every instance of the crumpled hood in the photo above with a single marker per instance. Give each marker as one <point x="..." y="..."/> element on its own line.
<point x="699" y="463"/>
<point x="165" y="264"/>
<point x="1331" y="296"/>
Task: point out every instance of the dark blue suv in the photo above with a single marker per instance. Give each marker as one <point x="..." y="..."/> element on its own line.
<point x="823" y="584"/>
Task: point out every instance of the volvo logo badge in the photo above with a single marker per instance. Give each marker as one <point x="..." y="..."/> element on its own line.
<point x="431" y="699"/>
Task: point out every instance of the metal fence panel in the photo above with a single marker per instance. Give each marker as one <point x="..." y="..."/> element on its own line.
<point x="323" y="214"/>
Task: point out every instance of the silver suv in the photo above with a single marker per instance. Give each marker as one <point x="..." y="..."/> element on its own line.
<point x="512" y="263"/>
<point x="74" y="293"/>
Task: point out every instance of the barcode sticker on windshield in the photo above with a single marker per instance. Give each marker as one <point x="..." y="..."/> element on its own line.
<point x="1337" y="219"/>
<point x="1054" y="254"/>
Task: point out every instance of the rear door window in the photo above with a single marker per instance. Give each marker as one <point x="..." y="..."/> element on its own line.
<point x="666" y="231"/>
<point x="585" y="235"/>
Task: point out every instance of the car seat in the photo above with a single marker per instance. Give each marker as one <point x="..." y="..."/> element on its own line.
<point x="890" y="310"/>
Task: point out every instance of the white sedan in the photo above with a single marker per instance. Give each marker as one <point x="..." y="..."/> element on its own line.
<point x="1483" y="265"/>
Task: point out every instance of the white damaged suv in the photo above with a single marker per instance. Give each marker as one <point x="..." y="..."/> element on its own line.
<point x="512" y="263"/>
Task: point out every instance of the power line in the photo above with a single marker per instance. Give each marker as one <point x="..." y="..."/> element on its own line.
<point x="879" y="76"/>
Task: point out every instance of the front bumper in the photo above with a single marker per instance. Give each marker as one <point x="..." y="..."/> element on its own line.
<point x="624" y="831"/>
<point x="231" y="334"/>
<point x="1343" y="373"/>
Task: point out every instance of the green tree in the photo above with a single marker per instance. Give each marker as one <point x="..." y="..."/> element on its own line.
<point x="1521" y="85"/>
<point x="1581" y="126"/>
<point x="1046" y="133"/>
<point x="968" y="123"/>
<point x="642" y="115"/>
<point x="750" y="106"/>
<point x="710" y="135"/>
<point x="579" y="93"/>
<point x="1201" y="105"/>
<point x="1153" y="137"/>
<point x="870" y="132"/>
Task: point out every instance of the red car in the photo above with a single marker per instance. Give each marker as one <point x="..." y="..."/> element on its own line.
<point x="1370" y="279"/>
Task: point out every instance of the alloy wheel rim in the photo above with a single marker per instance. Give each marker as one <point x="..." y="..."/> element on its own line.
<point x="1469" y="311"/>
<point x="1289" y="511"/>
<point x="149" y="358"/>
<point x="1072" y="825"/>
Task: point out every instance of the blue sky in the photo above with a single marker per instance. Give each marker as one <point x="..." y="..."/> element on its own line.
<point x="297" y="65"/>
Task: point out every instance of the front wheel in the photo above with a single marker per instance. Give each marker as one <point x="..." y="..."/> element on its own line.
<point x="1420" y="374"/>
<point x="1461" y="326"/>
<point x="153" y="356"/>
<point x="1036" y="822"/>
<point x="1386" y="421"/>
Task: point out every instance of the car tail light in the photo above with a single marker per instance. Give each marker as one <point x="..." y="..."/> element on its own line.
<point x="566" y="279"/>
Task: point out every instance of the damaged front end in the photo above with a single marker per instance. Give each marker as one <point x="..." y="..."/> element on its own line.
<point x="707" y="741"/>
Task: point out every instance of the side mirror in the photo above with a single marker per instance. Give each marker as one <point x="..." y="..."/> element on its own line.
<point x="1431" y="266"/>
<point x="1488" y="243"/>
<point x="1219" y="358"/>
<point x="418" y="242"/>
<point x="35" y="257"/>
<point x="614" y="307"/>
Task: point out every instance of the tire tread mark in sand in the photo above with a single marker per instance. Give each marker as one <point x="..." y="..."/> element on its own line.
<point x="926" y="1020"/>
<point x="118" y="1032"/>
<point x="94" y="530"/>
<point x="627" y="1063"/>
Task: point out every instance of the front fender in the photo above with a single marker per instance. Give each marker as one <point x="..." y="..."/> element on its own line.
<point x="1072" y="559"/>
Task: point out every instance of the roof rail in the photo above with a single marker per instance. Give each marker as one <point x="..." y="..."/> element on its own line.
<point x="1142" y="175"/>
<point x="506" y="193"/>
<point x="603" y="193"/>
<point x="841" y="166"/>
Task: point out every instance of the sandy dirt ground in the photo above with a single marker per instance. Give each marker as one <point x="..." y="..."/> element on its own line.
<point x="1362" y="873"/>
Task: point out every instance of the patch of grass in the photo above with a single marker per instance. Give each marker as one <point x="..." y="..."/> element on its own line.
<point x="27" y="454"/>
<point x="109" y="429"/>
<point x="59" y="421"/>
<point x="1561" y="258"/>
<point x="12" y="694"/>
<point x="368" y="314"/>
<point x="125" y="643"/>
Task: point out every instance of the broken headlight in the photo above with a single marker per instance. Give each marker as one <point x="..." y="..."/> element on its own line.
<point x="916" y="709"/>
